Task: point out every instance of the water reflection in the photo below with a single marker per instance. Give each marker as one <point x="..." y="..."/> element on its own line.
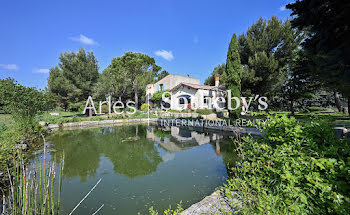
<point x="141" y="166"/>
<point x="132" y="149"/>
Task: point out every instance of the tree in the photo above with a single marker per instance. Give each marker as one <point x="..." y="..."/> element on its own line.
<point x="327" y="44"/>
<point x="74" y="79"/>
<point x="265" y="51"/>
<point x="300" y="84"/>
<point x="162" y="75"/>
<point x="157" y="97"/>
<point x="218" y="71"/>
<point x="23" y="103"/>
<point x="128" y="74"/>
<point x="234" y="73"/>
<point x="7" y="87"/>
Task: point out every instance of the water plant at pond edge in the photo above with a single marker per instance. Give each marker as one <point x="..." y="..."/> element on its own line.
<point x="293" y="169"/>
<point x="168" y="211"/>
<point x="32" y="188"/>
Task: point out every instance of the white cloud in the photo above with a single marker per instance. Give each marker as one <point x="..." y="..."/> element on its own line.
<point x="283" y="8"/>
<point x="9" y="66"/>
<point x="167" y="55"/>
<point x="84" y="39"/>
<point x="43" y="71"/>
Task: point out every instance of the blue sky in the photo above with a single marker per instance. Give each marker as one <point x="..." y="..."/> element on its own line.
<point x="184" y="36"/>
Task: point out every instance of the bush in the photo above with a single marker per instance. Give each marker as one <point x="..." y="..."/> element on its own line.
<point x="293" y="169"/>
<point x="204" y="111"/>
<point x="145" y="107"/>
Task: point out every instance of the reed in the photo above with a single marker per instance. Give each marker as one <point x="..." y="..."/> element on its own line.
<point x="32" y="188"/>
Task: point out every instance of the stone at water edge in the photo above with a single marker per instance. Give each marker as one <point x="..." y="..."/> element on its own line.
<point x="216" y="203"/>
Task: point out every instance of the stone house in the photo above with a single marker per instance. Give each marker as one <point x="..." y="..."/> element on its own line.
<point x="187" y="93"/>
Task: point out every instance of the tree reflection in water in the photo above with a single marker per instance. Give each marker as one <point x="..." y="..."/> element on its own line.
<point x="133" y="149"/>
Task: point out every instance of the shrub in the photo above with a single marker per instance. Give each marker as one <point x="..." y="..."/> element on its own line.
<point x="293" y="169"/>
<point x="168" y="211"/>
<point x="204" y="111"/>
<point x="145" y="107"/>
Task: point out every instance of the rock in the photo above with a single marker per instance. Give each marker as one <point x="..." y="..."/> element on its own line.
<point x="216" y="203"/>
<point x="42" y="123"/>
<point x="53" y="126"/>
<point x="212" y="116"/>
<point x="54" y="114"/>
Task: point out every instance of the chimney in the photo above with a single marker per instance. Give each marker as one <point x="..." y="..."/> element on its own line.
<point x="217" y="81"/>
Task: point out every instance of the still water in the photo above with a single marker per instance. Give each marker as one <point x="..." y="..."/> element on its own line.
<point x="140" y="166"/>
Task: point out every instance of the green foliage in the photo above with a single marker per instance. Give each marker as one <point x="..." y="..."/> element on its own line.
<point x="145" y="107"/>
<point x="168" y="211"/>
<point x="218" y="71"/>
<point x="317" y="109"/>
<point x="128" y="75"/>
<point x="293" y="169"/>
<point x="204" y="111"/>
<point x="162" y="75"/>
<point x="234" y="73"/>
<point x="157" y="97"/>
<point x="7" y="87"/>
<point x="73" y="80"/>
<point x="8" y="138"/>
<point x="327" y="44"/>
<point x="299" y="85"/>
<point x="265" y="51"/>
<point x="23" y="103"/>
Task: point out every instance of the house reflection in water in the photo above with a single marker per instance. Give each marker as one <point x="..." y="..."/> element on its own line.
<point x="175" y="139"/>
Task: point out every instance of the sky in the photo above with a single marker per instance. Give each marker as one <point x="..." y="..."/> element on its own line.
<point x="186" y="37"/>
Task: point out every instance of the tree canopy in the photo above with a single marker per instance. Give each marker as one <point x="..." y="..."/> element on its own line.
<point x="265" y="51"/>
<point x="127" y="75"/>
<point x="219" y="70"/>
<point x="74" y="79"/>
<point x="234" y="74"/>
<point x="327" y="43"/>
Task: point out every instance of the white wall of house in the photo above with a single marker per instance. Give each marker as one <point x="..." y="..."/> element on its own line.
<point x="200" y="98"/>
<point x="169" y="82"/>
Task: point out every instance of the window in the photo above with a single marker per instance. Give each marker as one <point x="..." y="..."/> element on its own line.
<point x="182" y="101"/>
<point x="205" y="100"/>
<point x="161" y="87"/>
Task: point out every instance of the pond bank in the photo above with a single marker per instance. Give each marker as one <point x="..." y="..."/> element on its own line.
<point x="216" y="203"/>
<point x="159" y="121"/>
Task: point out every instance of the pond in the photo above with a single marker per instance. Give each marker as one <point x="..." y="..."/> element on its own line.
<point x="140" y="166"/>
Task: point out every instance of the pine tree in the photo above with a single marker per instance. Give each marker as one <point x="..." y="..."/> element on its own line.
<point x="234" y="73"/>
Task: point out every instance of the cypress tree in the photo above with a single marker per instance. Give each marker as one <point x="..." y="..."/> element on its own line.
<point x="234" y="74"/>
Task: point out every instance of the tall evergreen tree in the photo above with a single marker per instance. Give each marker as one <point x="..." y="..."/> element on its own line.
<point x="234" y="74"/>
<point x="74" y="79"/>
<point x="327" y="44"/>
<point x="265" y="50"/>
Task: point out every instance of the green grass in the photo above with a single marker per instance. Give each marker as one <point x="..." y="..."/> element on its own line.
<point x="340" y="119"/>
<point x="65" y="117"/>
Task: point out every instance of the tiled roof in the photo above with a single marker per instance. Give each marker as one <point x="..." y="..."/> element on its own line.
<point x="194" y="86"/>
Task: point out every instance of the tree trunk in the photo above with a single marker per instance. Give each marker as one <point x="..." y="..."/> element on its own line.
<point x="337" y="101"/>
<point x="136" y="99"/>
<point x="291" y="106"/>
